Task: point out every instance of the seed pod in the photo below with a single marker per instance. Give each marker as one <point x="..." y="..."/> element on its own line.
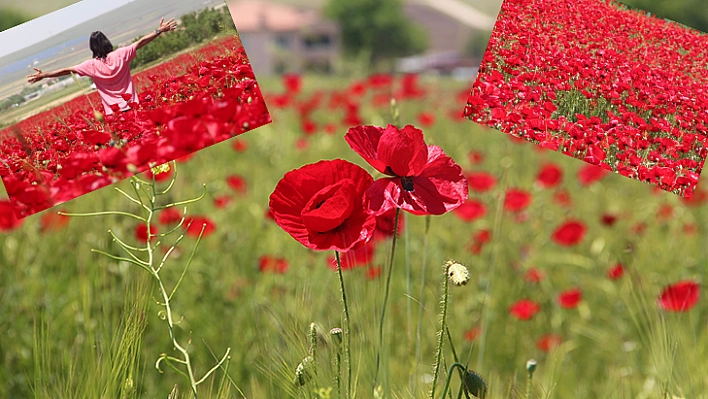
<point x="336" y="334"/>
<point x="531" y="366"/>
<point x="457" y="273"/>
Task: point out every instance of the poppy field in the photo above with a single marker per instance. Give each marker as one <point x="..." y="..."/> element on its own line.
<point x="187" y="103"/>
<point x="591" y="79"/>
<point x="522" y="271"/>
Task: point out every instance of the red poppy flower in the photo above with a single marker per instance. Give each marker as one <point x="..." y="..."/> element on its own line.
<point x="589" y="174"/>
<point x="424" y="181"/>
<point x="267" y="263"/>
<point x="570" y="298"/>
<point x="471" y="210"/>
<point x="524" y="309"/>
<point x="548" y="342"/>
<point x="237" y="183"/>
<point x="534" y="275"/>
<point x="222" y="201"/>
<point x="680" y="297"/>
<point x="481" y="181"/>
<point x="52" y="221"/>
<point x="562" y="198"/>
<point x="292" y="83"/>
<point x="8" y="220"/>
<point x="549" y="176"/>
<point x="473" y="333"/>
<point x="479" y="239"/>
<point x="373" y="273"/>
<point x="358" y="256"/>
<point x="141" y="232"/>
<point x="321" y="205"/>
<point x="569" y="233"/>
<point x="616" y="272"/>
<point x="608" y="219"/>
<point x="516" y="200"/>
<point x="384" y="225"/>
<point x="426" y="119"/>
<point x="196" y="223"/>
<point x="170" y="216"/>
<point x="240" y="145"/>
<point x="475" y="157"/>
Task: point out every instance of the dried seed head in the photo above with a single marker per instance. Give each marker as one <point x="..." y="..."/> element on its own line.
<point x="336" y="334"/>
<point x="303" y="372"/>
<point x="457" y="273"/>
<point x="531" y="367"/>
<point x="475" y="385"/>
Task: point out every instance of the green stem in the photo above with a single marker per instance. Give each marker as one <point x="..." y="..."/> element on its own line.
<point x="346" y="340"/>
<point x="528" y="386"/>
<point x="418" y="355"/>
<point x="441" y="335"/>
<point x="449" y="376"/>
<point x="385" y="300"/>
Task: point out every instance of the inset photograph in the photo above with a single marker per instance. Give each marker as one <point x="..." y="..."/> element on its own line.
<point x="599" y="81"/>
<point x="96" y="92"/>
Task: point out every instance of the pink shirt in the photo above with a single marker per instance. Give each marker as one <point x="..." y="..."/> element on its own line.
<point x="111" y="76"/>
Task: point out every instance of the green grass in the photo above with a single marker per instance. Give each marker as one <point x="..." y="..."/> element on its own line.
<point x="79" y="325"/>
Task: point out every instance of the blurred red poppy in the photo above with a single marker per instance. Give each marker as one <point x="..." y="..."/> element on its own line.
<point x="548" y="342"/>
<point x="615" y="272"/>
<point x="549" y="176"/>
<point x="534" y="275"/>
<point x="516" y="200"/>
<point x="373" y="272"/>
<point x="569" y="233"/>
<point x="471" y="210"/>
<point x="268" y="263"/>
<point x="473" y="333"/>
<point x="570" y="298"/>
<point x="170" y="216"/>
<point x="589" y="174"/>
<point x="321" y="205"/>
<point x="52" y="221"/>
<point x="524" y="309"/>
<point x="141" y="232"/>
<point x="680" y="297"/>
<point x="8" y="220"/>
<point x="196" y="223"/>
<point x="481" y="181"/>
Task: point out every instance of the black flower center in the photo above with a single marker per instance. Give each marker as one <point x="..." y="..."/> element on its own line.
<point x="407" y="183"/>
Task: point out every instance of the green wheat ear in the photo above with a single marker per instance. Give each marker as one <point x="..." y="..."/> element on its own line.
<point x="303" y="373"/>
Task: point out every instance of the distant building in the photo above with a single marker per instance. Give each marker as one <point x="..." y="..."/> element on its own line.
<point x="280" y="38"/>
<point x="450" y="26"/>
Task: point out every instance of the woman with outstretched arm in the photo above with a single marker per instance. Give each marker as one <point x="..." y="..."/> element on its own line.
<point x="109" y="69"/>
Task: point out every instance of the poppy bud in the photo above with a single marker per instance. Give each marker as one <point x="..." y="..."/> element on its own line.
<point x="475" y="385"/>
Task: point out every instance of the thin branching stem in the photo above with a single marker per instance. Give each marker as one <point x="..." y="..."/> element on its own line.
<point x="189" y="261"/>
<point x="104" y="213"/>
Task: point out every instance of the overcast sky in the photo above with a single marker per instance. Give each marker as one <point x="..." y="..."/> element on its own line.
<point x="46" y="26"/>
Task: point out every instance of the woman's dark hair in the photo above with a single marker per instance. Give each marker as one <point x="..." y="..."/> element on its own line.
<point x="100" y="45"/>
